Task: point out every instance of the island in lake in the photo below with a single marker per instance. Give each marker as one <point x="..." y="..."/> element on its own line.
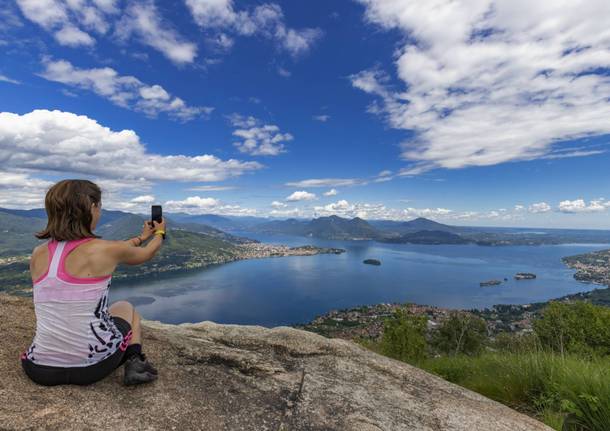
<point x="490" y="283"/>
<point x="525" y="276"/>
<point x="372" y="262"/>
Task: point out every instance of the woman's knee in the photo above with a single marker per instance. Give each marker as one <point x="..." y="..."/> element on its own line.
<point x="123" y="309"/>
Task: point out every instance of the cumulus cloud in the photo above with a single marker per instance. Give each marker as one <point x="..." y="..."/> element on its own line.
<point x="540" y="207"/>
<point x="580" y="206"/>
<point x="492" y="81"/>
<point x="278" y="204"/>
<point x="66" y="143"/>
<point x="266" y="20"/>
<point x="142" y="20"/>
<point x="301" y="196"/>
<point x="21" y="190"/>
<point x="258" y="139"/>
<point x="199" y="205"/>
<point x="331" y="192"/>
<point x="125" y="91"/>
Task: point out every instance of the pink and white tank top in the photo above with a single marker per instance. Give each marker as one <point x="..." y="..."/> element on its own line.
<point x="73" y="327"/>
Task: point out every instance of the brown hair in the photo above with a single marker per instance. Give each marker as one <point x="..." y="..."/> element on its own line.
<point x="68" y="206"/>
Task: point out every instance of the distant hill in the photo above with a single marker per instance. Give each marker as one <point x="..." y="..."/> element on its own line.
<point x="332" y="227"/>
<point x="287" y="227"/>
<point x="394" y="228"/>
<point x="17" y="228"/>
<point x="424" y="224"/>
<point x="224" y="223"/>
<point x="186" y="246"/>
<point x="17" y="232"/>
<point x="433" y="237"/>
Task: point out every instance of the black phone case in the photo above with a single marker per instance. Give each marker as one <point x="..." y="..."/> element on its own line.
<point x="156" y="214"/>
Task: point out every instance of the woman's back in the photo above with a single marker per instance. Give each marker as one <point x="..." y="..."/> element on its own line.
<point x="73" y="327"/>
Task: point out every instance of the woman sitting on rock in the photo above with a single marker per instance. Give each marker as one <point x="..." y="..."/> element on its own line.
<point x="79" y="339"/>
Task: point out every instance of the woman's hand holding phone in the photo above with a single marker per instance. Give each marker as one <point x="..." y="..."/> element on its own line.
<point x="147" y="231"/>
<point x="159" y="226"/>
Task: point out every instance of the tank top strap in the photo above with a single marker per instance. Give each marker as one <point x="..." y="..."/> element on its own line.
<point x="60" y="251"/>
<point x="71" y="245"/>
<point x="56" y="249"/>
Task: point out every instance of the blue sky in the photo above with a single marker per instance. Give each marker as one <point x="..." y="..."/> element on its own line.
<point x="485" y="112"/>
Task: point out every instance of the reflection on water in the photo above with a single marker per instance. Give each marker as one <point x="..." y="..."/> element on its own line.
<point x="288" y="290"/>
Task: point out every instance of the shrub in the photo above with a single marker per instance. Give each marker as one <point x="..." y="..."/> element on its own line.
<point x="579" y="328"/>
<point x="460" y="333"/>
<point x="404" y="337"/>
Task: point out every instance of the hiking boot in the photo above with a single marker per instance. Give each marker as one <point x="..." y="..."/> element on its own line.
<point x="147" y="365"/>
<point x="138" y="370"/>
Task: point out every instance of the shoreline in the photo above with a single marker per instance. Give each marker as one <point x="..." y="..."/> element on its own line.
<point x="246" y="251"/>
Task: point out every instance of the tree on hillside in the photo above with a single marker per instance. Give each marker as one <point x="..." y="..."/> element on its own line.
<point x="404" y="337"/>
<point x="460" y="333"/>
<point x="579" y="327"/>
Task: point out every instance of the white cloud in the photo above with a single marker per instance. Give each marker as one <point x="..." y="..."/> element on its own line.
<point x="342" y="182"/>
<point x="325" y="182"/>
<point x="301" y="196"/>
<point x="427" y="212"/>
<point x="126" y="91"/>
<point x="72" y="36"/>
<point x="288" y="212"/>
<point x="144" y="199"/>
<point x="492" y="81"/>
<point x="5" y="78"/>
<point x="62" y="142"/>
<point x="199" y="205"/>
<point x="143" y="20"/>
<point x="65" y="19"/>
<point x="580" y="206"/>
<point x="20" y="190"/>
<point x="266" y="20"/>
<point x="258" y="139"/>
<point x="211" y="188"/>
<point x="46" y="13"/>
<point x="540" y="207"/>
<point x="331" y="192"/>
<point x="284" y="72"/>
<point x="321" y="118"/>
<point x="278" y="204"/>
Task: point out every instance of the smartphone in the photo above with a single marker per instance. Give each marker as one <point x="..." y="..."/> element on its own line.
<point x="156" y="214"/>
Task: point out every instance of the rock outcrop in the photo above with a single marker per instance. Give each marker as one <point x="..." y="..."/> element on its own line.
<point x="229" y="377"/>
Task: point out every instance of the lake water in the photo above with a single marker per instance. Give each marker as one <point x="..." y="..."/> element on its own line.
<point x="287" y="290"/>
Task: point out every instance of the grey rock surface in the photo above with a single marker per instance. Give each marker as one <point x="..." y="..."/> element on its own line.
<point x="230" y="377"/>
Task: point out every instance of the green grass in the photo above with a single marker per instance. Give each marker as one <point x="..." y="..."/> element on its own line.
<point x="543" y="385"/>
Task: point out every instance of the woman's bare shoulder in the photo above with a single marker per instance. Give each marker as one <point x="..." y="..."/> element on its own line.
<point x="106" y="245"/>
<point x="40" y="249"/>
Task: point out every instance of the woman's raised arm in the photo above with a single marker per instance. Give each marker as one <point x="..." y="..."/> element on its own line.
<point x="131" y="254"/>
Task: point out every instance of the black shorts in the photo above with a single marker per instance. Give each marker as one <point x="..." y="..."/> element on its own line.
<point x="50" y="376"/>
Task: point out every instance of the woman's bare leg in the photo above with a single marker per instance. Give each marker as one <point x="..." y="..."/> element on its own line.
<point x="125" y="310"/>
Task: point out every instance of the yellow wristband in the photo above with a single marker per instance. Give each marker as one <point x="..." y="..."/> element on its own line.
<point x="157" y="232"/>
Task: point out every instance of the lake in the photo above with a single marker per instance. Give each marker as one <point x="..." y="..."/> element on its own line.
<point x="296" y="289"/>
